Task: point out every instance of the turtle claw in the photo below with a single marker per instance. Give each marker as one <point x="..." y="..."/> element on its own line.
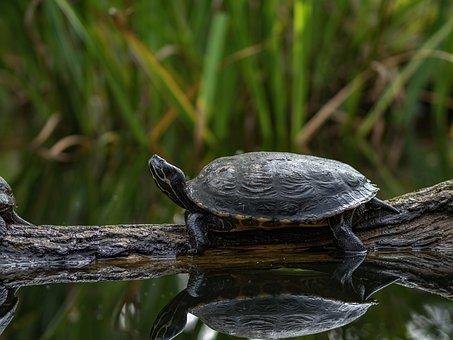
<point x="197" y="249"/>
<point x="194" y="252"/>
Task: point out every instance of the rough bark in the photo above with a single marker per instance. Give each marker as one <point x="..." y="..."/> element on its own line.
<point x="425" y="223"/>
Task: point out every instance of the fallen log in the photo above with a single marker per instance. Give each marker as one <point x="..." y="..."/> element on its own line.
<point x="425" y="223"/>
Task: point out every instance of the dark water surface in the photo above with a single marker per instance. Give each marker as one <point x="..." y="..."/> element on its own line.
<point x="341" y="301"/>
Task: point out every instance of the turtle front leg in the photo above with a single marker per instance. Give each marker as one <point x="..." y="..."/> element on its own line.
<point x="341" y="227"/>
<point x="197" y="225"/>
<point x="196" y="283"/>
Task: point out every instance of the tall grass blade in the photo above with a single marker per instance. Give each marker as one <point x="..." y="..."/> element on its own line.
<point x="210" y="74"/>
<point x="301" y="25"/>
<point x="252" y="72"/>
<point x="442" y="87"/>
<point x="276" y="71"/>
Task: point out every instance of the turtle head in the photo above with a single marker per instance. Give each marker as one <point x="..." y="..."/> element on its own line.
<point x="6" y="195"/>
<point x="170" y="180"/>
<point x="172" y="318"/>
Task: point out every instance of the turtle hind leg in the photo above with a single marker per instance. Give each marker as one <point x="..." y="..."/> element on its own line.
<point x="344" y="270"/>
<point x="342" y="231"/>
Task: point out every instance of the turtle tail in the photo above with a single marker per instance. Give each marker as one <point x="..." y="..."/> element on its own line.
<point x="380" y="204"/>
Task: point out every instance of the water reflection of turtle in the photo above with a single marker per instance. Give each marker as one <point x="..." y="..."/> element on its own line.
<point x="8" y="305"/>
<point x="7" y="204"/>
<point x="269" y="190"/>
<point x="269" y="304"/>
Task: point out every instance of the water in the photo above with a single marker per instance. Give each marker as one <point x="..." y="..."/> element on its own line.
<point x="343" y="300"/>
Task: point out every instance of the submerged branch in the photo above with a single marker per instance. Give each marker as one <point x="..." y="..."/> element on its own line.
<point x="426" y="271"/>
<point x="425" y="222"/>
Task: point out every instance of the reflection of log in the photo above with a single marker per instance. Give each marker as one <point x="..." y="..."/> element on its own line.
<point x="425" y="222"/>
<point x="427" y="271"/>
<point x="431" y="272"/>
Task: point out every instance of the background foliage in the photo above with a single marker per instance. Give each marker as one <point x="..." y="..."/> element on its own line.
<point x="90" y="89"/>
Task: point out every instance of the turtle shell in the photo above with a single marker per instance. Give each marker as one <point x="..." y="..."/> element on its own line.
<point x="279" y="186"/>
<point x="272" y="305"/>
<point x="279" y="317"/>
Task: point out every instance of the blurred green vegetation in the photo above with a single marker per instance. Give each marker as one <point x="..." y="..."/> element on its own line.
<point x="90" y="89"/>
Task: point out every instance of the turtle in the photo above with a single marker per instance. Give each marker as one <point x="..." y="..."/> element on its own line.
<point x="269" y="304"/>
<point x="7" y="205"/>
<point x="269" y="190"/>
